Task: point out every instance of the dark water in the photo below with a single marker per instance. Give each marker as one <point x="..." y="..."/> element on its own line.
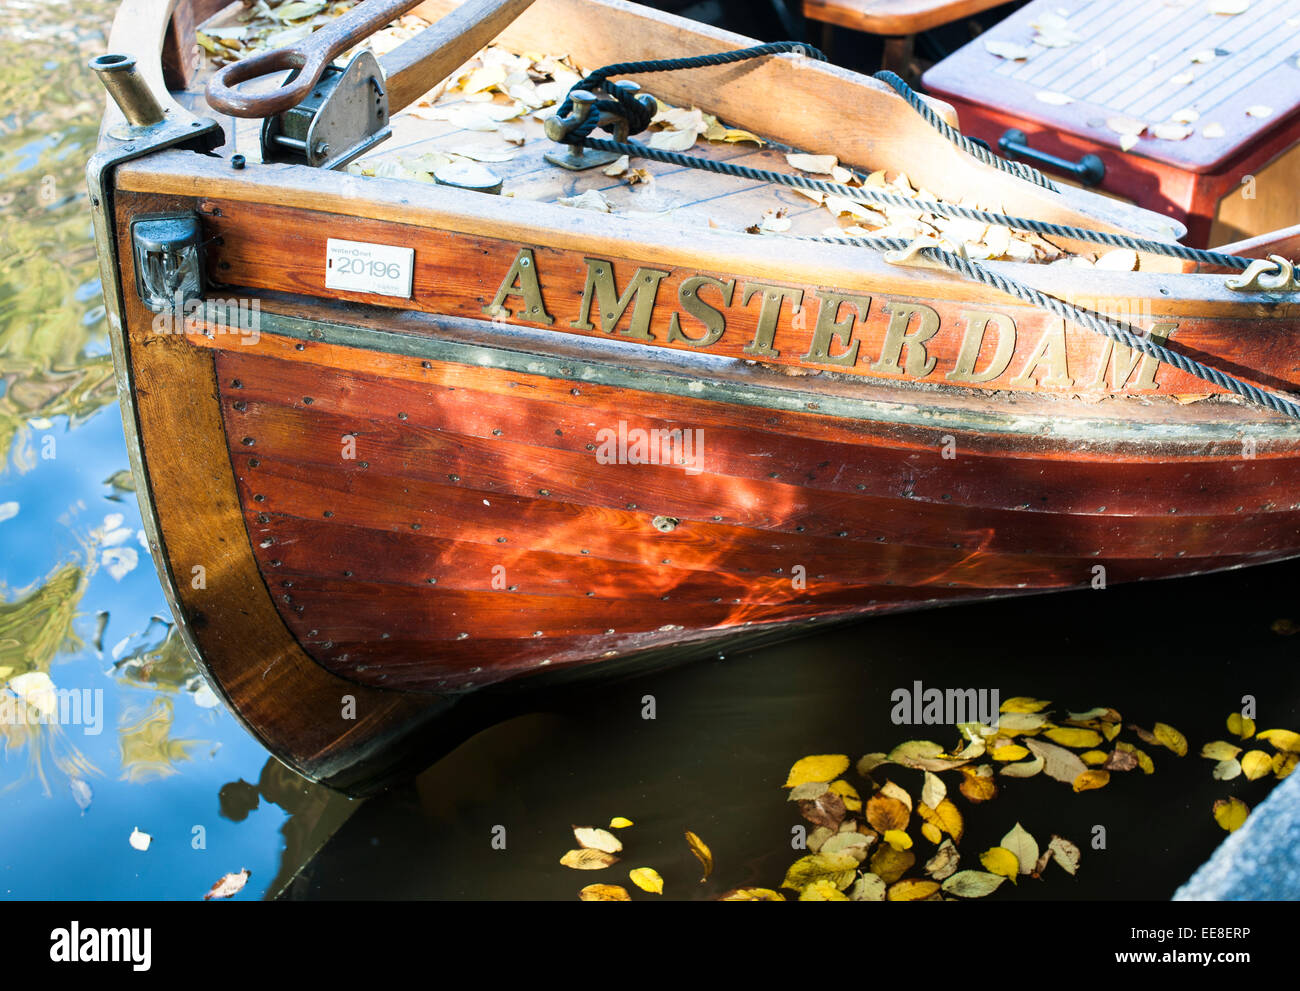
<point x="81" y="605"/>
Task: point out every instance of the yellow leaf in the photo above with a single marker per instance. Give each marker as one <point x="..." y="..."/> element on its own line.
<point x="822" y="891"/>
<point x="1072" y="736"/>
<point x="946" y="817"/>
<point x="891" y="790"/>
<point x="1144" y="762"/>
<point x="1220" y="750"/>
<point x="702" y="853"/>
<point x="1241" y="726"/>
<point x="1012" y="751"/>
<point x="1094" y="758"/>
<point x="886" y="813"/>
<point x="849" y="794"/>
<point x="604" y="893"/>
<point x="1284" y="763"/>
<point x="912" y="890"/>
<point x="823" y="767"/>
<point x="1090" y="780"/>
<point x="890" y="864"/>
<point x="647" y="879"/>
<point x="1282" y="739"/>
<point x="752" y="895"/>
<point x="1110" y="731"/>
<point x="1001" y="861"/>
<point x="735" y="134"/>
<point x="1171" y="738"/>
<point x="977" y="783"/>
<point x="618" y="822"/>
<point x="1230" y="813"/>
<point x="597" y="839"/>
<point x="898" y="839"/>
<point x="837" y="868"/>
<point x="933" y="791"/>
<point x="588" y="860"/>
<point x="1255" y="764"/>
<point x="931" y="832"/>
<point x="1022" y="703"/>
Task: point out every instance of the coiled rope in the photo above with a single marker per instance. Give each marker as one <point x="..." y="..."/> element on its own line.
<point x="622" y="102"/>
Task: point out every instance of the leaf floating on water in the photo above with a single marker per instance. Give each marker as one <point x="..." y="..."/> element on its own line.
<point x="618" y="822"/>
<point x="1001" y="861"/>
<point x="1256" y="764"/>
<point x="604" y="893"/>
<point x="1226" y="770"/>
<point x="913" y="890"/>
<point x="848" y="795"/>
<point x="853" y="843"/>
<point x="924" y="755"/>
<point x="973" y="884"/>
<point x="1120" y="760"/>
<point x="1024" y="846"/>
<point x="946" y="817"/>
<point x="890" y="864"/>
<point x="1010" y="752"/>
<point x="702" y="853"/>
<point x="827" y="809"/>
<point x="588" y="860"/>
<point x="817" y="164"/>
<point x="1231" y="813"/>
<point x="1241" y="726"/>
<point x="891" y="790"/>
<point x="1024" y="769"/>
<point x="752" y="895"/>
<point x="977" y="783"/>
<point x="1282" y="739"/>
<point x="1092" y="780"/>
<point x="1059" y="763"/>
<point x="868" y="888"/>
<point x="229" y="885"/>
<point x="838" y="869"/>
<point x="823" y="767"/>
<point x="934" y="791"/>
<point x="647" y="879"/>
<point x="898" y="839"/>
<point x="1143" y="761"/>
<point x="597" y="839"/>
<point x="1023" y="703"/>
<point x="869" y="762"/>
<point x="1015" y="723"/>
<point x="809" y="791"/>
<point x="885" y="813"/>
<point x="822" y="891"/>
<point x="1171" y="739"/>
<point x="1070" y="736"/>
<point x="944" y="862"/>
<point x="1284" y="763"/>
<point x="1220" y="750"/>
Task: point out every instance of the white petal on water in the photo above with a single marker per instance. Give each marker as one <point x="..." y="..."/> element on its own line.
<point x="140" y="841"/>
<point x="81" y="793"/>
<point x="8" y="510"/>
<point x="205" y="697"/>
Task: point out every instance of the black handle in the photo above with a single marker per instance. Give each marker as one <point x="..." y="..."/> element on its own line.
<point x="1089" y="170"/>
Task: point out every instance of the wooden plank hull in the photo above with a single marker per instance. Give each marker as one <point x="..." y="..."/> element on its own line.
<point x="581" y="445"/>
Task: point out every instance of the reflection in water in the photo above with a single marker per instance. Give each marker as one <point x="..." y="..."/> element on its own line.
<point x="148" y="752"/>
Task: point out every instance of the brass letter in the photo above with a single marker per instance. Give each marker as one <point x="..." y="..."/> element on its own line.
<point x="715" y="323"/>
<point x="919" y="364"/>
<point x="976" y="328"/>
<point x="1050" y="350"/>
<point x="768" y="315"/>
<point x="1126" y="360"/>
<point x="830" y="327"/>
<point x="612" y="305"/>
<point x="524" y="272"/>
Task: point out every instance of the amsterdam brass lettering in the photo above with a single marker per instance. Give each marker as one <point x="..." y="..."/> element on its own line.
<point x="919" y="363"/>
<point x="768" y="315"/>
<point x="1050" y="352"/>
<point x="1126" y="359"/>
<point x="641" y="294"/>
<point x="977" y="324"/>
<point x="521" y="281"/>
<point x="831" y="329"/>
<point x="713" y="319"/>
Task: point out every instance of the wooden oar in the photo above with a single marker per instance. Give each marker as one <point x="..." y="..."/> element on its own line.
<point x="410" y="70"/>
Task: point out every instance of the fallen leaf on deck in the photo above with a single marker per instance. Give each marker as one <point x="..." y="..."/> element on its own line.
<point x="1053" y="98"/>
<point x="1007" y="50"/>
<point x="1228" y="7"/>
<point x="1259" y="110"/>
<point x="819" y="164"/>
<point x="592" y="199"/>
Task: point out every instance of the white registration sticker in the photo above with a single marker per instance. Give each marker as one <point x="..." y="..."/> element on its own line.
<point x="381" y="269"/>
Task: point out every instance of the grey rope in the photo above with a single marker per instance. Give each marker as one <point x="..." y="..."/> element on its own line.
<point x="1114" y="330"/>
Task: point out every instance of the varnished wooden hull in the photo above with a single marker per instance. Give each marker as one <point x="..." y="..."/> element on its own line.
<point x="368" y="511"/>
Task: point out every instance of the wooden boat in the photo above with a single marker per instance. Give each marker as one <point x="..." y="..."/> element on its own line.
<point x="381" y="506"/>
